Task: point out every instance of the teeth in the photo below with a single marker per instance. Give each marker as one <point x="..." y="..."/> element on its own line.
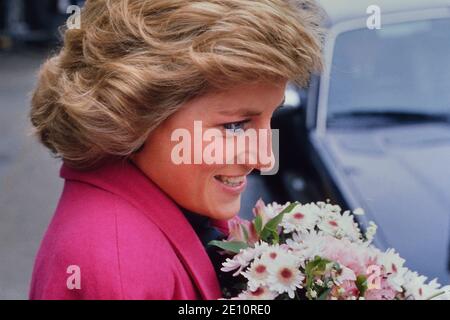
<point x="231" y="181"/>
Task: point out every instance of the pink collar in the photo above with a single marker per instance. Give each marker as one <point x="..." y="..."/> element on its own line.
<point x="127" y="181"/>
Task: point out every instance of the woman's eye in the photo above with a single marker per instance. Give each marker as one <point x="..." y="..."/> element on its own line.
<point x="235" y="127"/>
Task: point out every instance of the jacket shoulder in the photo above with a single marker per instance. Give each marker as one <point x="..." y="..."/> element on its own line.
<point x="114" y="248"/>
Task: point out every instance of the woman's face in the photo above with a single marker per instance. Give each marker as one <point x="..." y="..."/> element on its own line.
<point x="210" y="188"/>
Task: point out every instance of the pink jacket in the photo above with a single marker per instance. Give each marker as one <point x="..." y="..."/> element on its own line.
<point x="116" y="235"/>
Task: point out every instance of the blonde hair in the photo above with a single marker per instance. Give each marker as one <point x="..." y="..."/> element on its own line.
<point x="133" y="63"/>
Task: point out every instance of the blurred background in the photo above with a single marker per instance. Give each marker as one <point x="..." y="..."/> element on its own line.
<point x="371" y="131"/>
<point x="29" y="182"/>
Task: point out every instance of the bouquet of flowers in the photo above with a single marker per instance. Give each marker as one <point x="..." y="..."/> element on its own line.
<point x="314" y="251"/>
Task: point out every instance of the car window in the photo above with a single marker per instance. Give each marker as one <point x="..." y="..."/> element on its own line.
<point x="404" y="67"/>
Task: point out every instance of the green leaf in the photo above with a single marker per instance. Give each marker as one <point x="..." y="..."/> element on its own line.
<point x="272" y="225"/>
<point x="244" y="230"/>
<point x="313" y="268"/>
<point x="361" y="284"/>
<point x="276" y="237"/>
<point x="258" y="224"/>
<point x="232" y="246"/>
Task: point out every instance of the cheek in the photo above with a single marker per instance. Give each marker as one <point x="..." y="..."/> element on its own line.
<point x="198" y="191"/>
<point x="193" y="180"/>
<point x="198" y="181"/>
<point x="191" y="186"/>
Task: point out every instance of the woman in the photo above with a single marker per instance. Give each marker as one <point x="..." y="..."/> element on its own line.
<point x="132" y="221"/>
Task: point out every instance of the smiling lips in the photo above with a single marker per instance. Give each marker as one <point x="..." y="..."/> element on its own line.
<point x="230" y="181"/>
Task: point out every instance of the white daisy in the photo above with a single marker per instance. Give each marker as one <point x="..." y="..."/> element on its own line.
<point x="261" y="293"/>
<point x="327" y="209"/>
<point x="419" y="290"/>
<point x="301" y="218"/>
<point x="285" y="276"/>
<point x="260" y="247"/>
<point x="256" y="274"/>
<point x="393" y="267"/>
<point x="330" y="224"/>
<point x="347" y="227"/>
<point x="241" y="260"/>
<point x="231" y="264"/>
<point x="371" y="231"/>
<point x="272" y="209"/>
<point x="414" y="285"/>
<point x="443" y="294"/>
<point x="275" y="252"/>
<point x="307" y="245"/>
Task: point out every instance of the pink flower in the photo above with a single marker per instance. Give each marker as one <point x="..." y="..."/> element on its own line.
<point x="345" y="253"/>
<point x="385" y="292"/>
<point x="239" y="229"/>
<point x="346" y="290"/>
<point x="267" y="212"/>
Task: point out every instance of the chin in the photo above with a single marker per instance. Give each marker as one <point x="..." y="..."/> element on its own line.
<point x="225" y="212"/>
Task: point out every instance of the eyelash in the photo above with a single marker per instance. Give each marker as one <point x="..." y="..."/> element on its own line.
<point x="229" y="126"/>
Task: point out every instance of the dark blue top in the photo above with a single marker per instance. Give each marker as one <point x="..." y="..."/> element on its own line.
<point x="206" y="232"/>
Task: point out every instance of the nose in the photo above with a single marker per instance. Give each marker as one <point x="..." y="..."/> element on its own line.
<point x="265" y="153"/>
<point x="260" y="154"/>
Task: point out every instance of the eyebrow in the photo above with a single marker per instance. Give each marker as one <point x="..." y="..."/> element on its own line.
<point x="248" y="112"/>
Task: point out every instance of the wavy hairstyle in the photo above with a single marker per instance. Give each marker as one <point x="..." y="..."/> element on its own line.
<point x="133" y="63"/>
